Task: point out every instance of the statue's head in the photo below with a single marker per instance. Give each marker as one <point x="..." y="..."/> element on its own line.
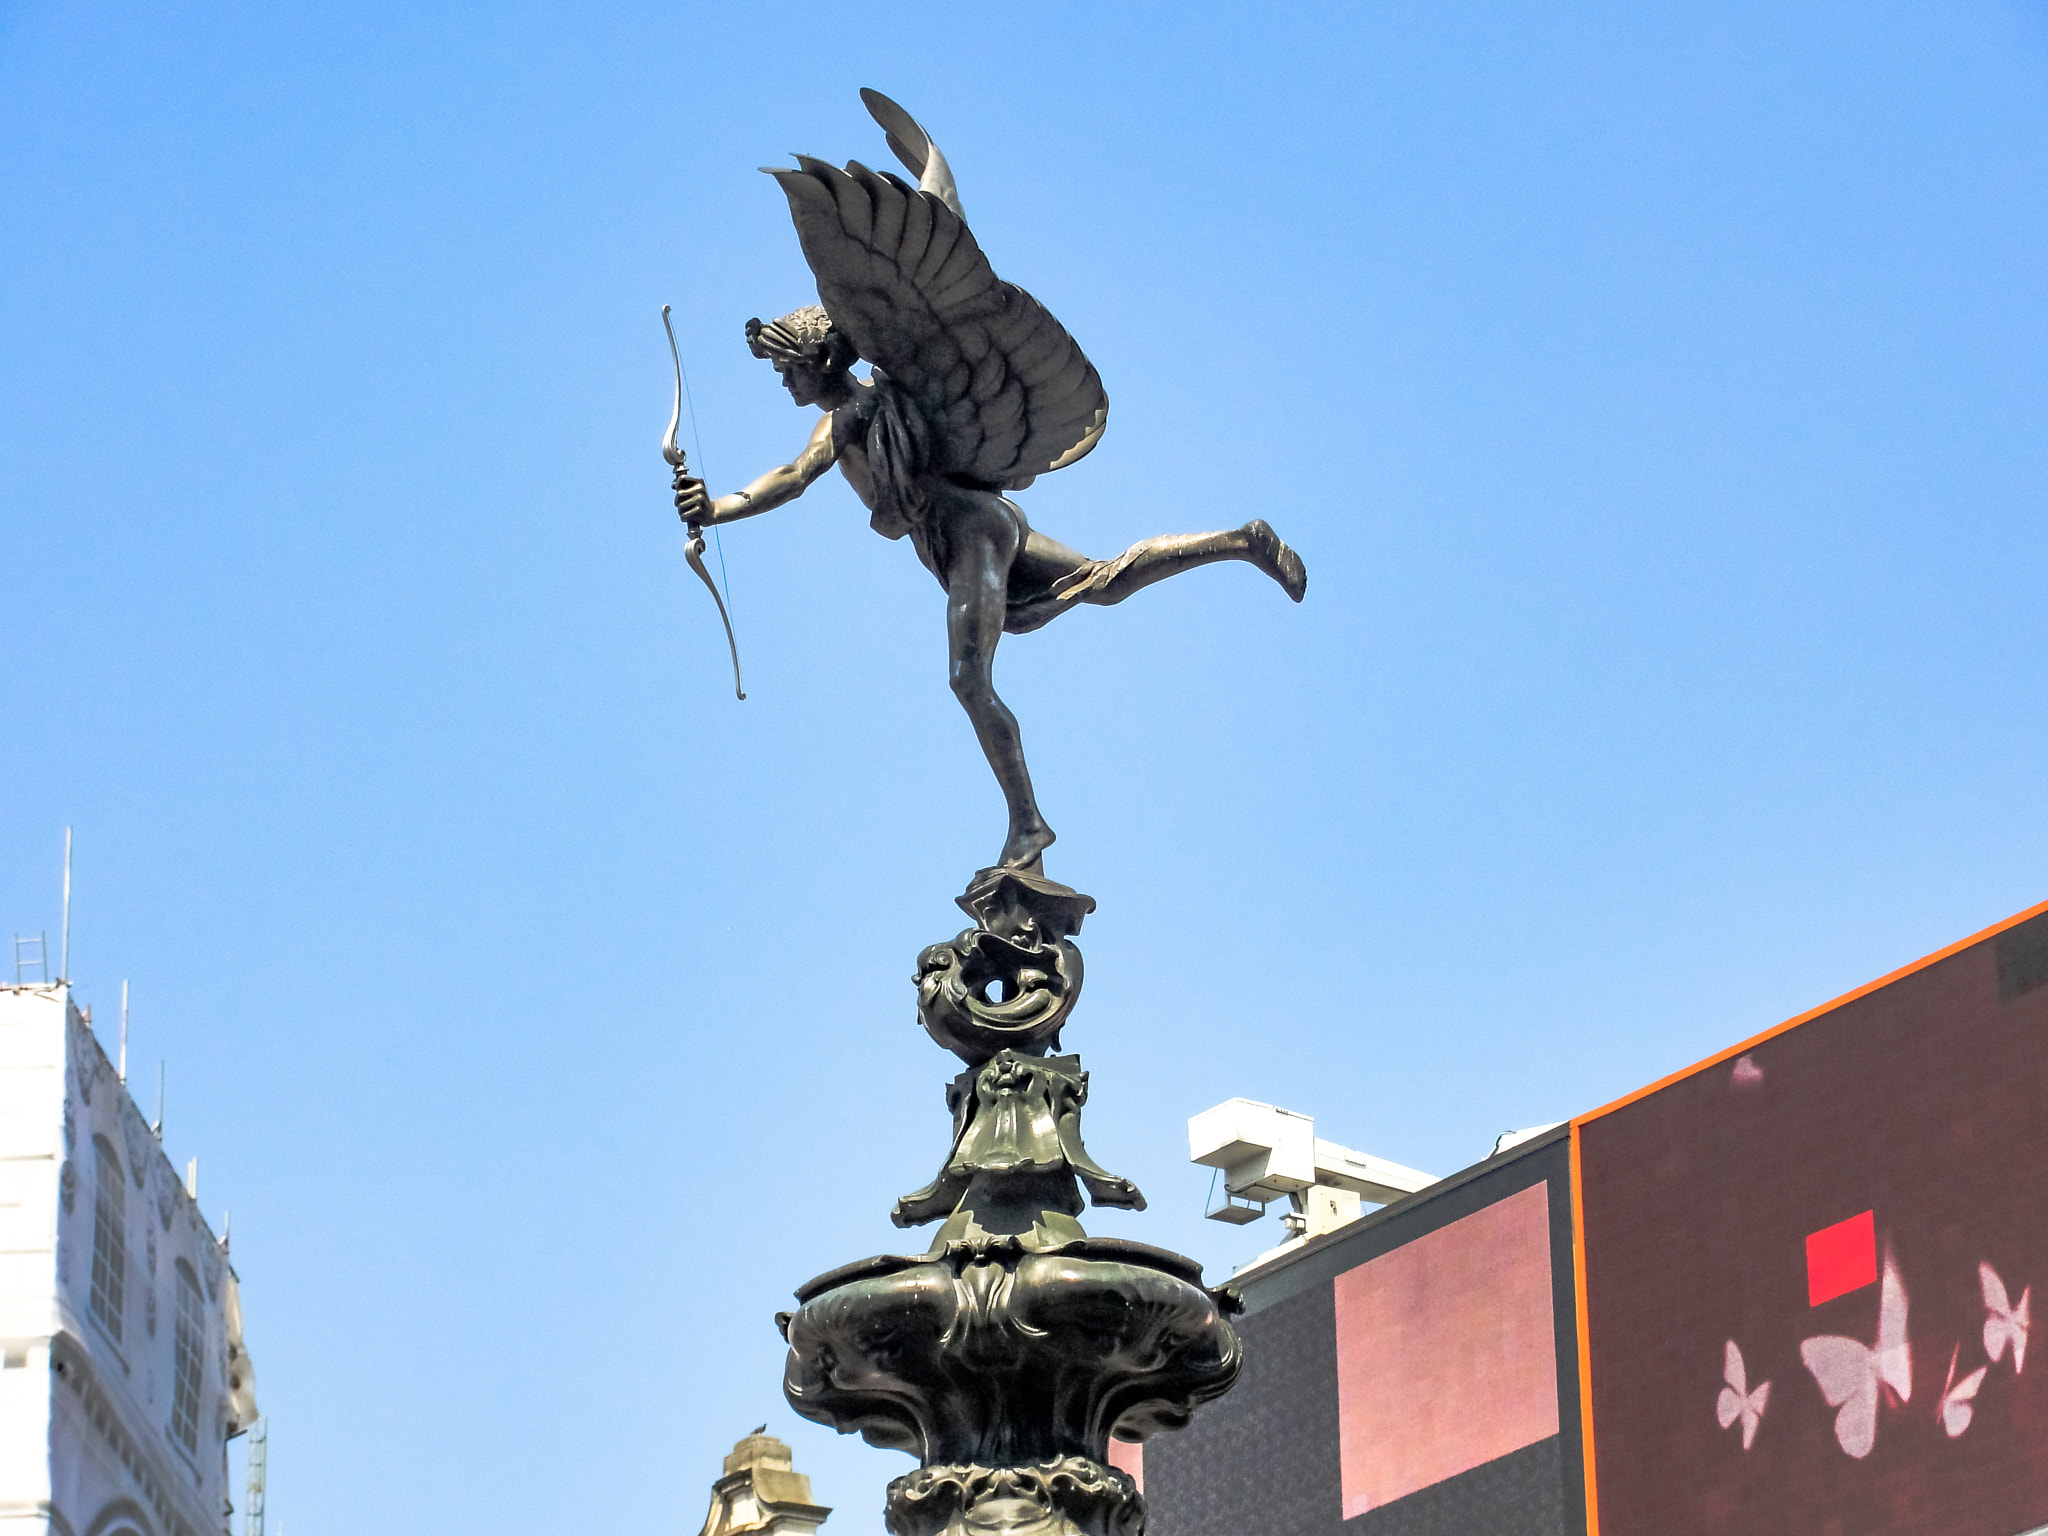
<point x="812" y="356"/>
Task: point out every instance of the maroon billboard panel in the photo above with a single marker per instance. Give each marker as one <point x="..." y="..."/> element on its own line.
<point x="1810" y="1268"/>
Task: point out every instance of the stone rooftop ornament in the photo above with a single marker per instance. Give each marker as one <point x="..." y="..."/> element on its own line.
<point x="974" y="390"/>
<point x="760" y="1493"/>
<point x="1006" y="1354"/>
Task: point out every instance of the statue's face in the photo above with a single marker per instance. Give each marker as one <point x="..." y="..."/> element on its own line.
<point x="806" y="384"/>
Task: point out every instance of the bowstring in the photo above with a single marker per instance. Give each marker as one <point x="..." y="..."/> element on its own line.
<point x="704" y="470"/>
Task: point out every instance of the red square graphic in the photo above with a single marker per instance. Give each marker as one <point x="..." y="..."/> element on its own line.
<point x="1840" y="1259"/>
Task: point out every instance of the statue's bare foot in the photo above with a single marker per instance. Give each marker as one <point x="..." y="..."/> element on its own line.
<point x="1275" y="558"/>
<point x="1028" y="841"/>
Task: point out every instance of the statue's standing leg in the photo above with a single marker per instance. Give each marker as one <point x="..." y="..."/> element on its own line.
<point x="983" y="536"/>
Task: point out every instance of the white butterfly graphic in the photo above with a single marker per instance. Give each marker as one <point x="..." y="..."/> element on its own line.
<point x="1850" y="1372"/>
<point x="1737" y="1401"/>
<point x="1958" y="1397"/>
<point x="2004" y="1323"/>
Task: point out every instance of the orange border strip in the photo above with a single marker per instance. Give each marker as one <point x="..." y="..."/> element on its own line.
<point x="1585" y="1339"/>
<point x="1578" y="1182"/>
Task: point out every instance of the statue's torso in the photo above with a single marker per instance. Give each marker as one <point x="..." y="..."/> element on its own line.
<point x="850" y="442"/>
<point x="916" y="508"/>
<point x="853" y="463"/>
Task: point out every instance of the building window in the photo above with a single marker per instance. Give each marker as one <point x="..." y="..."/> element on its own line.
<point x="188" y="1344"/>
<point x="109" y="1237"/>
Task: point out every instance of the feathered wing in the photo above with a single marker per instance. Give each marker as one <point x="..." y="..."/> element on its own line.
<point x="1006" y="393"/>
<point x="909" y="143"/>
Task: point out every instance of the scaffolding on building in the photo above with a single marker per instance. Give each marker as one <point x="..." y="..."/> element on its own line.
<point x="259" y="1458"/>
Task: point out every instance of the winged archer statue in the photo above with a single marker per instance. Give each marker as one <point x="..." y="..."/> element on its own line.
<point x="973" y="391"/>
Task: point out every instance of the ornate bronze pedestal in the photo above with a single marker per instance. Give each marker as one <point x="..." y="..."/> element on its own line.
<point x="1006" y="1355"/>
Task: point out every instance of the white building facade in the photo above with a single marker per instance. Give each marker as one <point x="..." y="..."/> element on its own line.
<point x="122" y="1373"/>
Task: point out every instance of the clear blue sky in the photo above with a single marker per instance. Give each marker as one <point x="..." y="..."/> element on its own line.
<point x="1657" y="393"/>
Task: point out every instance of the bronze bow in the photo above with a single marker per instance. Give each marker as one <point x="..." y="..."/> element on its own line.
<point x="694" y="550"/>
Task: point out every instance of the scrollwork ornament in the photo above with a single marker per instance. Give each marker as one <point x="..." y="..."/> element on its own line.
<point x="1069" y="1496"/>
<point x="1017" y="1143"/>
<point x="1009" y="982"/>
<point x="1041" y="1354"/>
<point x="980" y="993"/>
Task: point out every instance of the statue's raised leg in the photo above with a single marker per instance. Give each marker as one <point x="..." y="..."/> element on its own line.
<point x="1050" y="578"/>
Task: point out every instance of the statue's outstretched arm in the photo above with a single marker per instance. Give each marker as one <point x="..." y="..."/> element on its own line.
<point x="782" y="484"/>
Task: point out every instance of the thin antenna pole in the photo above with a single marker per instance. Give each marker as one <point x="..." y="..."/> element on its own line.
<point x="158" y="1128"/>
<point x="64" y="945"/>
<point x="124" y="1033"/>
